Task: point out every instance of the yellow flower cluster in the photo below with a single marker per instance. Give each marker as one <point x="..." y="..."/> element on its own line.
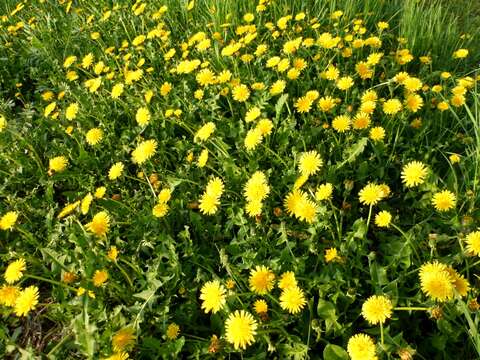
<point x="210" y="199"/>
<point x="256" y="190"/>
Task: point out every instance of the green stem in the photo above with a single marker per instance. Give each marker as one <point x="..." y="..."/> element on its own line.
<point x="122" y="270"/>
<point x="28" y="235"/>
<point x="54" y="282"/>
<point x="369" y="217"/>
<point x="149" y="184"/>
<point x="339" y="231"/>
<point x="412" y="308"/>
<point x="408" y="241"/>
<point x="59" y="344"/>
<point x="381" y="335"/>
<point x="276" y="155"/>
<point x="473" y="332"/>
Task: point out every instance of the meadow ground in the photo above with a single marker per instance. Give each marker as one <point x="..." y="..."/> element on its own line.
<point x="232" y="179"/>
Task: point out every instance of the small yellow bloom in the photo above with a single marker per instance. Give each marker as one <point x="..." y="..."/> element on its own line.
<point x="14" y="271"/>
<point x="383" y="218"/>
<point x="377" y="309"/>
<point x="26" y="301"/>
<point x="172" y="331"/>
<point x="8" y="220"/>
<point x="100" y="277"/>
<point x="444" y="200"/>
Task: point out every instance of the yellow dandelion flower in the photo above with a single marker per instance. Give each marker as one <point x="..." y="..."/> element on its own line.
<point x="252" y="114"/>
<point x="240" y="329"/>
<point x="292" y="200"/>
<point x="253" y="208"/>
<point x="253" y="138"/>
<point x="49" y="109"/>
<point x="94" y="136"/>
<point x="414" y="173"/>
<point x="205" y="77"/>
<point x="8" y="220"/>
<point x="164" y="195"/>
<point x="116" y="170"/>
<point x="473" y="242"/>
<point x="3" y="123"/>
<point x="58" y="164"/>
<point x="87" y="60"/>
<point x="461" y="285"/>
<point x="99" y="277"/>
<point x="117" y="91"/>
<point x="370" y="194"/>
<point x="14" y="271"/>
<point x="265" y="126"/>
<point x="444" y="200"/>
<point x="240" y="93"/>
<point x="71" y="111"/>
<point x="203" y="158"/>
<point x="292" y="299"/>
<point x="142" y="116"/>
<point x="69" y="61"/>
<point x="287" y="280"/>
<point x="436" y="282"/>
<point x="9" y="295"/>
<point x="256" y="188"/>
<point x="345" y="83"/>
<point x="261" y="280"/>
<point x="277" y="87"/>
<point x="301" y="180"/>
<point x="173" y="330"/>
<point x="457" y="100"/>
<point x="413" y="102"/>
<point x="332" y="73"/>
<point x="303" y="104"/>
<point x="123" y="339"/>
<point x="100" y="224"/>
<point x="324" y="192"/>
<point x="341" y="123"/>
<point x="460" y="54"/>
<point x="377" y="133"/>
<point x="260" y="306"/>
<point x="309" y="163"/>
<point x="67" y="210"/>
<point x="205" y="131"/>
<point x="363" y="70"/>
<point x="331" y="255"/>
<point x="306" y="211"/>
<point x="165" y="89"/>
<point x="369" y="95"/>
<point x="85" y="204"/>
<point x="377" y="309"/>
<point x="144" y="151"/>
<point x="224" y="76"/>
<point x="112" y="253"/>
<point x="100" y="192"/>
<point x="383" y="218"/>
<point x="368" y="106"/>
<point x="361" y="347"/>
<point x="412" y="84"/>
<point x="26" y="301"/>
<point x="392" y="106"/>
<point x="326" y="103"/>
<point x="71" y="75"/>
<point x="212" y="295"/>
<point x="160" y="210"/>
<point x="454" y="158"/>
<point x="361" y="121"/>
